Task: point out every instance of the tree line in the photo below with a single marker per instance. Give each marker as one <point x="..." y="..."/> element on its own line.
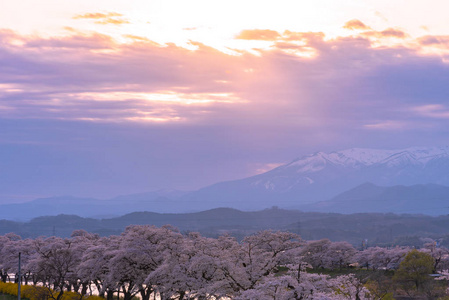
<point x="148" y="261"/>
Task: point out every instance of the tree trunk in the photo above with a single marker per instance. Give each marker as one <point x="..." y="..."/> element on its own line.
<point x="60" y="295"/>
<point x="181" y="295"/>
<point x="4" y="276"/>
<point x="84" y="287"/>
<point x="146" y="293"/>
<point x="110" y="295"/>
<point x="100" y="290"/>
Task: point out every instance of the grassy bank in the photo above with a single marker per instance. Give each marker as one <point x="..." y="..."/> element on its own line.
<point x="9" y="292"/>
<point x="7" y="297"/>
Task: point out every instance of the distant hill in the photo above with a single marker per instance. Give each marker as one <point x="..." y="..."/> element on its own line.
<point x="430" y="199"/>
<point x="213" y="221"/>
<point x="310" y="179"/>
<point x="379" y="229"/>
<point x="94" y="208"/>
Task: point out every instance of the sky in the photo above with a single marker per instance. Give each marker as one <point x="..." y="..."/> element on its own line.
<point x="105" y="98"/>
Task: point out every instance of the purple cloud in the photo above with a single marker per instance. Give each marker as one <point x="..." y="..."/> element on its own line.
<point x="82" y="114"/>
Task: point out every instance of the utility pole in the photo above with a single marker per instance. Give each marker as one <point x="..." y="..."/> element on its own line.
<point x="20" y="278"/>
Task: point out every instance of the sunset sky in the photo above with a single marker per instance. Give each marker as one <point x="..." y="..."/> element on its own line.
<point x="102" y="98"/>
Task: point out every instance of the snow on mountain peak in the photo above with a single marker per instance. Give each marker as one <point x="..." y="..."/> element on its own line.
<point x="337" y="170"/>
<point x="362" y="157"/>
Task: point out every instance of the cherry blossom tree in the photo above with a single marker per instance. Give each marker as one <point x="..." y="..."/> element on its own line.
<point x="381" y="258"/>
<point x="439" y="254"/>
<point x="10" y="257"/>
<point x="314" y="253"/>
<point x="339" y="255"/>
<point x="174" y="278"/>
<point x="204" y="269"/>
<point x="245" y="265"/>
<point x="349" y="287"/>
<point x="81" y="241"/>
<point x="5" y="242"/>
<point x="54" y="263"/>
<point x="95" y="266"/>
<point x="141" y="251"/>
<point x="161" y="263"/>
<point x="310" y="286"/>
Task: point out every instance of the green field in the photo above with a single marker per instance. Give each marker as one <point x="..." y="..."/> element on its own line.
<point x="7" y="297"/>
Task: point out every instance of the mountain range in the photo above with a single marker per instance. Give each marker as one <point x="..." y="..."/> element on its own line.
<point x="322" y="176"/>
<point x="353" y="180"/>
<point x="429" y="199"/>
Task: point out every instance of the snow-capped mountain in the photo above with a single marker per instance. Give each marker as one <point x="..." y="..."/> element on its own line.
<point x="387" y="167"/>
<point x="310" y="179"/>
<point x="321" y="176"/>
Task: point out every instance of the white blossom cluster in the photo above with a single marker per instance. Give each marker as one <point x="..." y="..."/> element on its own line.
<point x="149" y="262"/>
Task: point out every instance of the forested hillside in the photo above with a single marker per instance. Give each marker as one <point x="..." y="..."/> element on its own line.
<point x="378" y="229"/>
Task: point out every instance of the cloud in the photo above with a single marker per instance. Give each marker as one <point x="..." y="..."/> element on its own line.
<point x="387" y="125"/>
<point x="437" y="111"/>
<point x="91" y="77"/>
<point x="97" y="15"/>
<point x="356" y="25"/>
<point x="112" y="21"/>
<point x="262" y="168"/>
<point x="381" y="16"/>
<point x="258" y="34"/>
<point x="138" y="38"/>
<point x="434" y="40"/>
<point x="104" y="18"/>
<point x="391" y="32"/>
<point x="387" y="33"/>
<point x="88" y="41"/>
<point x="310" y="37"/>
<point x="87" y="108"/>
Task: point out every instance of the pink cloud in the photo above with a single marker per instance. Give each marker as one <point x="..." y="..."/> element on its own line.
<point x="387" y="33"/>
<point x="303" y="36"/>
<point x="432" y="40"/>
<point x="258" y="34"/>
<point x="112" y="21"/>
<point x="53" y="75"/>
<point x="104" y="18"/>
<point x="97" y="15"/>
<point x="356" y="25"/>
<point x="332" y="88"/>
<point x="437" y="111"/>
<point x="387" y="125"/>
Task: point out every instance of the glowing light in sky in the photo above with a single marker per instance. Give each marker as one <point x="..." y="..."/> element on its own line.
<point x="217" y="23"/>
